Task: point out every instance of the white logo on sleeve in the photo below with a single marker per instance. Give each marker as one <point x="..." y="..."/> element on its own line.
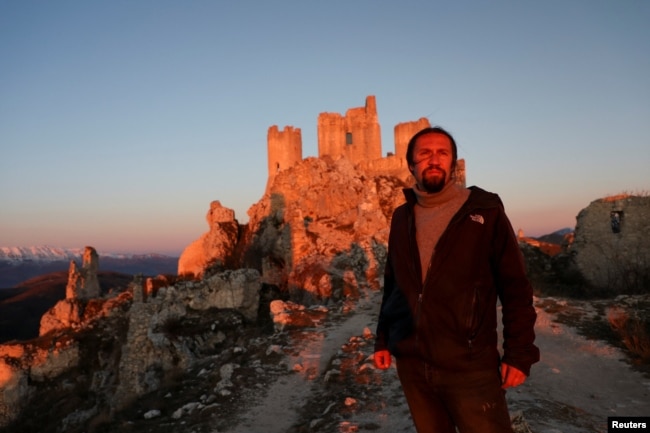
<point x="477" y="218"/>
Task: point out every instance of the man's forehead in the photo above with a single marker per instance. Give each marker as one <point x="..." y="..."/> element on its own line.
<point x="433" y="139"/>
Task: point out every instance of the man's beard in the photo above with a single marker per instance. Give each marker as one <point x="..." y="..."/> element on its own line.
<point x="435" y="181"/>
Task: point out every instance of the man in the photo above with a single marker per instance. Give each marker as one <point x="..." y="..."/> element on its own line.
<point x="451" y="253"/>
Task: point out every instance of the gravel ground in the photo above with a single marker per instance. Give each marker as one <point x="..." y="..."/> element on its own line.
<point x="321" y="379"/>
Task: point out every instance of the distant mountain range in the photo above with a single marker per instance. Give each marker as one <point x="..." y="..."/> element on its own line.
<point x="557" y="237"/>
<point x="18" y="264"/>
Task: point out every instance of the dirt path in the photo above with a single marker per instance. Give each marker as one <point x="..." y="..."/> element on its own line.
<point x="298" y="399"/>
<point x="578" y="383"/>
<point x="573" y="389"/>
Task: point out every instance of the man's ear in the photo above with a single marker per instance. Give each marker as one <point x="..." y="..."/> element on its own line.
<point x="411" y="168"/>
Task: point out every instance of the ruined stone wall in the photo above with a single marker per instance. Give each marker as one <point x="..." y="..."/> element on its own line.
<point x="391" y="165"/>
<point x="357" y="135"/>
<point x="403" y="133"/>
<point x="612" y="243"/>
<point x="83" y="283"/>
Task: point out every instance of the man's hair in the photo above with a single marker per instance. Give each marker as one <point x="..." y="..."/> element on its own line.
<point x="431" y="130"/>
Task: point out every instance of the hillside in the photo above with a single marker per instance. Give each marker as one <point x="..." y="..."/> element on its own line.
<point x="21" y="307"/>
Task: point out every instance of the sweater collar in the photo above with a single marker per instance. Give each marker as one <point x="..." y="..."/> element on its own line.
<point x="426" y="199"/>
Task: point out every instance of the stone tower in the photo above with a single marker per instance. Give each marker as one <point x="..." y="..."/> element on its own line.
<point x="284" y="149"/>
<point x="404" y="131"/>
<point x="83" y="283"/>
<point x="356" y="135"/>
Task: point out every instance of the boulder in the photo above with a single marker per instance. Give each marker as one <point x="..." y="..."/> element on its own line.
<point x="214" y="248"/>
<point x="238" y="290"/>
<point x="65" y="314"/>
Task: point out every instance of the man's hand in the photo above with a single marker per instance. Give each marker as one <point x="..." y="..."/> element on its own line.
<point x="382" y="359"/>
<point x="510" y="376"/>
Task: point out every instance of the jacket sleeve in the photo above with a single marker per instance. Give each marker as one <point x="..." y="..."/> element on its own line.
<point x="395" y="318"/>
<point x="383" y="325"/>
<point x="516" y="296"/>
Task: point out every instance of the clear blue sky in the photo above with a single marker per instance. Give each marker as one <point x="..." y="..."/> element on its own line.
<point x="120" y="121"/>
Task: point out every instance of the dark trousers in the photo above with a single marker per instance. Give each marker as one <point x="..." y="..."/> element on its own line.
<point x="441" y="401"/>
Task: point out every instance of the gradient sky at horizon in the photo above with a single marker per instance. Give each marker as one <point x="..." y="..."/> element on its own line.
<point x="121" y="121"/>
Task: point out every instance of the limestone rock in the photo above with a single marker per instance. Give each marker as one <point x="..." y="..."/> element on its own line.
<point x="214" y="248"/>
<point x="152" y="351"/>
<point x="291" y="315"/>
<point x="611" y="248"/>
<point x="14" y="388"/>
<point x="25" y="364"/>
<point x="52" y="362"/>
<point x="135" y="341"/>
<point x="83" y="283"/>
<point x="322" y="228"/>
<point x="65" y="314"/>
<point x="230" y="289"/>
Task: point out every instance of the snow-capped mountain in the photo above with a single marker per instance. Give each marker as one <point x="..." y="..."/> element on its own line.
<point x="42" y="254"/>
<point x="56" y="254"/>
<point x="18" y="264"/>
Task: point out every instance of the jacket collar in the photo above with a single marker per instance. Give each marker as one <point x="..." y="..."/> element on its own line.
<point x="478" y="198"/>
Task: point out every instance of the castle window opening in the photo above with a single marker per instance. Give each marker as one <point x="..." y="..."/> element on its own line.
<point x="348" y="138"/>
<point x="616" y="217"/>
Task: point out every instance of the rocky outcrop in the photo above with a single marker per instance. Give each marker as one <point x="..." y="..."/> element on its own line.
<point x="65" y="314"/>
<point x="23" y="365"/>
<point x="322" y="228"/>
<point x="611" y="248"/>
<point x="156" y="347"/>
<point x="127" y="344"/>
<point x="83" y="283"/>
<point x="214" y="248"/>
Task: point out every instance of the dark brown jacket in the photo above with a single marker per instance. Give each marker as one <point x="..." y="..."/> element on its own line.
<point x="450" y="321"/>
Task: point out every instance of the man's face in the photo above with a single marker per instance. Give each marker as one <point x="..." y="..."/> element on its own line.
<point x="432" y="162"/>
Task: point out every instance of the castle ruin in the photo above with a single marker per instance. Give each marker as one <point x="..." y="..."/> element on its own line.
<point x="284" y="148"/>
<point x="355" y="136"/>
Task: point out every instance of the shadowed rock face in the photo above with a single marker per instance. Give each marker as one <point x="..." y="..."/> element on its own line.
<point x="612" y="243"/>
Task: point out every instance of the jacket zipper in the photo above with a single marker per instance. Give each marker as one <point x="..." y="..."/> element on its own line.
<point x="470" y="321"/>
<point x="418" y="309"/>
<point x="424" y="284"/>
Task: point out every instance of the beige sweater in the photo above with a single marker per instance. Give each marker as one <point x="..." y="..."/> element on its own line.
<point x="433" y="212"/>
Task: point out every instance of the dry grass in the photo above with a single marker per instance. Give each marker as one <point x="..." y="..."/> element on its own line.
<point x="634" y="332"/>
